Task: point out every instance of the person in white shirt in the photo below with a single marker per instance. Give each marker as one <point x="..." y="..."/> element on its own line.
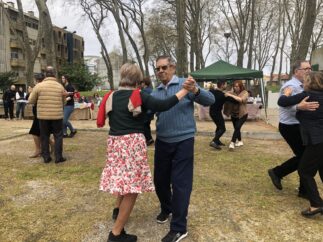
<point x="21" y="103"/>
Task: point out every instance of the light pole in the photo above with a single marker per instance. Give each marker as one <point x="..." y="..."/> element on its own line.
<point x="227" y="36"/>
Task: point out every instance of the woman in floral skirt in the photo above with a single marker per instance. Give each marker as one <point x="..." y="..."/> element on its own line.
<point x="127" y="171"/>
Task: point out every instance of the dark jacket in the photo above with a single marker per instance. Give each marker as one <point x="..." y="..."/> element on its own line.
<point x="9" y="96"/>
<point x="311" y="122"/>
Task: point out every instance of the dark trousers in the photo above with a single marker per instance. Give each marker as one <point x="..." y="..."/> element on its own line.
<point x="237" y="124"/>
<point x="8" y="109"/>
<point x="20" y="108"/>
<point x="173" y="178"/>
<point x="56" y="128"/>
<point x="310" y="163"/>
<point x="147" y="130"/>
<point x="292" y="135"/>
<point x="220" y="125"/>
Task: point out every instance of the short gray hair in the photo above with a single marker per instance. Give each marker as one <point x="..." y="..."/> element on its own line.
<point x="167" y="57"/>
<point x="130" y="75"/>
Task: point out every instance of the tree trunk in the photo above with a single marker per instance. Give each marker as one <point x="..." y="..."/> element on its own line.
<point x="50" y="48"/>
<point x="121" y="35"/>
<point x="181" y="54"/>
<point x="307" y="30"/>
<point x="252" y="30"/>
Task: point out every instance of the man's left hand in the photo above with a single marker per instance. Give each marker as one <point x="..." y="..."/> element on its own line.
<point x="190" y="85"/>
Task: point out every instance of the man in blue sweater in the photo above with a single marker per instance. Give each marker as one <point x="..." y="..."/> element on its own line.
<point x="174" y="147"/>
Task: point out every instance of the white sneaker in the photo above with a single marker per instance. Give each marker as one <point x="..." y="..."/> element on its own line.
<point x="231" y="146"/>
<point x="239" y="143"/>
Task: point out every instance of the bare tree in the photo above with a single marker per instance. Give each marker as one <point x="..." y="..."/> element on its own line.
<point x="48" y="33"/>
<point x="181" y="50"/>
<point x="30" y="53"/>
<point x="237" y="14"/>
<point x="252" y="30"/>
<point x="265" y="29"/>
<point x="301" y="22"/>
<point x="318" y="27"/>
<point x="307" y="30"/>
<point x="114" y="8"/>
<point x="281" y="15"/>
<point x="97" y="14"/>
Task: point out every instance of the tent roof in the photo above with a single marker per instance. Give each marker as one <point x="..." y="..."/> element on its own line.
<point x="222" y="70"/>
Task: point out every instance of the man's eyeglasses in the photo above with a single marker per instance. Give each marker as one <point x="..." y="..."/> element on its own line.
<point x="164" y="68"/>
<point x="305" y="69"/>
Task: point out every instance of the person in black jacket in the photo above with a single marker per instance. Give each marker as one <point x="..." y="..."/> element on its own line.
<point x="311" y="127"/>
<point x="216" y="113"/>
<point x="8" y="102"/>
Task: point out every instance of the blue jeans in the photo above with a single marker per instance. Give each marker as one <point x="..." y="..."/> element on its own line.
<point x="20" y="108"/>
<point x="68" y="110"/>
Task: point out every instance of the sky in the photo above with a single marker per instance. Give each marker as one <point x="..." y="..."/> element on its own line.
<point x="63" y="15"/>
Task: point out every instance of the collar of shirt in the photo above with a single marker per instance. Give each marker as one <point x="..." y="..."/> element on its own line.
<point x="174" y="80"/>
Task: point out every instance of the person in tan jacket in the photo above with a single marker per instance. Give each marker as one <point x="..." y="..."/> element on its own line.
<point x="49" y="97"/>
<point x="237" y="110"/>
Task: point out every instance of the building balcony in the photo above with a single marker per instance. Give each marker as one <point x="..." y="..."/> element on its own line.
<point x="14" y="43"/>
<point x="14" y="62"/>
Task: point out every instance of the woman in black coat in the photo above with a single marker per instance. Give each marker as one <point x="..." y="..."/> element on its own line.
<point x="311" y="125"/>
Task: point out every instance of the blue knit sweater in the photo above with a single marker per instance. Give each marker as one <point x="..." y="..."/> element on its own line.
<point x="178" y="123"/>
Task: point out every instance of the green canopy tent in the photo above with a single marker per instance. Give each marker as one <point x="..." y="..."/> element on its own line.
<point x="222" y="70"/>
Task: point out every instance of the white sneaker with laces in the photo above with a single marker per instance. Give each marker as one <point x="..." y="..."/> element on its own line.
<point x="239" y="143"/>
<point x="231" y="146"/>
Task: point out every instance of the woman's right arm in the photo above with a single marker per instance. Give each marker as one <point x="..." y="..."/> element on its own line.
<point x="160" y="105"/>
<point x="286" y="101"/>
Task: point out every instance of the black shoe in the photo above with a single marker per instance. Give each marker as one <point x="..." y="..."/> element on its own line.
<point x="150" y="142"/>
<point x="220" y="143"/>
<point x="275" y="179"/>
<point x="115" y="213"/>
<point x="308" y="213"/>
<point x="73" y="133"/>
<point x="173" y="236"/>
<point x="303" y="195"/>
<point x="65" y="136"/>
<point x="122" y="237"/>
<point x="47" y="160"/>
<point x="162" y="218"/>
<point x="215" y="146"/>
<point x="60" y="160"/>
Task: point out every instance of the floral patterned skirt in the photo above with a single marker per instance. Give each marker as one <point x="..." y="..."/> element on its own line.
<point x="127" y="169"/>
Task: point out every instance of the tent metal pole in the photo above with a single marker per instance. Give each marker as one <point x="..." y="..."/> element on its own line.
<point x="264" y="97"/>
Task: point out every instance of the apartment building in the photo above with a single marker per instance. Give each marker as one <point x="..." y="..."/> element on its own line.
<point x="69" y="46"/>
<point x="96" y="64"/>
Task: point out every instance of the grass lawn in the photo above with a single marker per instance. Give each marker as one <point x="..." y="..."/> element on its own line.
<point x="232" y="200"/>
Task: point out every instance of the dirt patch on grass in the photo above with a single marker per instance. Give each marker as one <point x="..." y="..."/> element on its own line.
<point x="232" y="199"/>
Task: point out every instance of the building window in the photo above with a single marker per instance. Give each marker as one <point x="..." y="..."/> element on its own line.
<point x="14" y="55"/>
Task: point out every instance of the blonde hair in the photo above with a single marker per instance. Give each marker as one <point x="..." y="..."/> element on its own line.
<point x="313" y="81"/>
<point x="130" y="75"/>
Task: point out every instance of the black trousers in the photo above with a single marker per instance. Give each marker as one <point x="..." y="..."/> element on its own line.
<point x="8" y="110"/>
<point x="292" y="135"/>
<point x="237" y="124"/>
<point x="56" y="128"/>
<point x="173" y="178"/>
<point x="310" y="163"/>
<point x="218" y="119"/>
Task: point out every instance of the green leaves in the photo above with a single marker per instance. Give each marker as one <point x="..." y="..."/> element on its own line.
<point x="79" y="76"/>
<point x="6" y="79"/>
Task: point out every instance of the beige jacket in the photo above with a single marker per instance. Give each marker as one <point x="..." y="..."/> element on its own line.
<point x="241" y="108"/>
<point x="49" y="98"/>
